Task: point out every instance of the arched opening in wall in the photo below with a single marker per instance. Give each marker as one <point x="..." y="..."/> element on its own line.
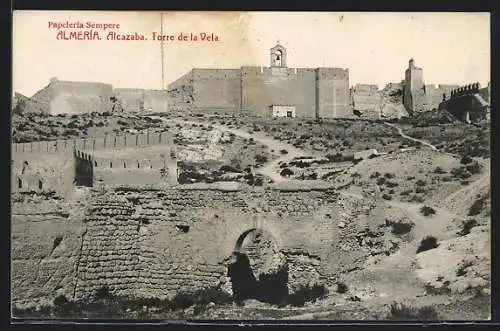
<point x="19" y="183"/>
<point x="258" y="269"/>
<point x="40" y="184"/>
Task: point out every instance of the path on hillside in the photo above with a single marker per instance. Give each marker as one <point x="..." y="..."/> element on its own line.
<point x="401" y="133"/>
<point x="467" y="193"/>
<point x="269" y="168"/>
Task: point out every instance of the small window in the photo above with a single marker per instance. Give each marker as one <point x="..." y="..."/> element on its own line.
<point x="19" y="183"/>
<point x="40" y="184"/>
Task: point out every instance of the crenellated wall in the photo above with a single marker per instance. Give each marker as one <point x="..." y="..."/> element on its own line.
<point x="320" y="92"/>
<point x="467" y="103"/>
<point x="111" y="141"/>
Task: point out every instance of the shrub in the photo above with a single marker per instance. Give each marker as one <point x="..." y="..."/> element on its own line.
<point x="467" y="226"/>
<point x="342" y="288"/>
<point x="426" y="211"/>
<point x="388" y="175"/>
<point x="477" y="206"/>
<point x="375" y="174"/>
<point x="286" y="172"/>
<point x="420" y="183"/>
<point x="284" y="151"/>
<point x="473" y="168"/>
<point x="466" y="159"/>
<point x="386" y="196"/>
<point x="406" y="192"/>
<point x="381" y="181"/>
<point x="260" y="158"/>
<point x="400" y="227"/>
<point x="427" y="243"/>
<point x="306" y="293"/>
<point x="402" y="312"/>
<point x="391" y="184"/>
<point x="439" y="170"/>
<point x="417" y="199"/>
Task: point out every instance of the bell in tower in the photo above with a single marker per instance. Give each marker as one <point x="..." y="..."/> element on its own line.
<point x="278" y="56"/>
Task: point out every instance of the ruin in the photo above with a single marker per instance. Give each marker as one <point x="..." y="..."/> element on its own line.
<point x="139" y="233"/>
<point x="469" y="103"/>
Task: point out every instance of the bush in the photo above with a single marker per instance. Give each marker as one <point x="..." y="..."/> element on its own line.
<point x="306" y="293"/>
<point x="402" y="312"/>
<point x="386" y="196"/>
<point x="400" y="227"/>
<point x="439" y="170"/>
<point x="375" y="174"/>
<point x="260" y="158"/>
<point x="466" y="159"/>
<point x="391" y="184"/>
<point x="427" y="243"/>
<point x="284" y="151"/>
<point x="420" y="183"/>
<point x="461" y="173"/>
<point x="477" y="206"/>
<point x="342" y="288"/>
<point x="388" y="175"/>
<point x="381" y="181"/>
<point x="467" y="226"/>
<point x="426" y="211"/>
<point x="286" y="172"/>
<point x="473" y="168"/>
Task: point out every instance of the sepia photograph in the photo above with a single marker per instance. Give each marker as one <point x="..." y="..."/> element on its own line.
<point x="250" y="166"/>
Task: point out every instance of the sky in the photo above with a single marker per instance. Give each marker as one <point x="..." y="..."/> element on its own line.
<point x="451" y="48"/>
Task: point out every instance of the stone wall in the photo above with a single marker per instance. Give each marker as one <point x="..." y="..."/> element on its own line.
<point x="366" y="100"/>
<point x="141" y="242"/>
<point x="263" y="87"/>
<point x="320" y="92"/>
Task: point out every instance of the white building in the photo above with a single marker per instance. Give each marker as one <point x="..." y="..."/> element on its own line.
<point x="282" y="111"/>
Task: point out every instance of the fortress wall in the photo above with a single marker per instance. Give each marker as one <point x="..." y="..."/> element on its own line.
<point x="132" y="100"/>
<point x="263" y="87"/>
<point x="42" y="172"/>
<point x="216" y="88"/>
<point x="40" y="269"/>
<point x="156" y="101"/>
<point x="434" y="95"/>
<point x="80" y="97"/>
<point x="333" y="93"/>
<point x="93" y="143"/>
<point x="145" y="251"/>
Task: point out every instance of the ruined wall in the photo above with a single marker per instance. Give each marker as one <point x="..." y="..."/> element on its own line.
<point x="78" y="97"/>
<point x="367" y="100"/>
<point x="467" y="104"/>
<point x="434" y="95"/>
<point x="333" y="100"/>
<point x="156" y="101"/>
<point x="131" y="100"/>
<point x="42" y="172"/>
<point x="137" y="245"/>
<point x="263" y="87"/>
<point x="46" y="242"/>
<point x="144" y="242"/>
<point x="218" y="89"/>
<point x="181" y="92"/>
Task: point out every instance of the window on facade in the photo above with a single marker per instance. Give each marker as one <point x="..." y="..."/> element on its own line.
<point x="19" y="183"/>
<point x="40" y="184"/>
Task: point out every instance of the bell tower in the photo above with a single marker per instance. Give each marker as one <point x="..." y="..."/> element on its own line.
<point x="278" y="56"/>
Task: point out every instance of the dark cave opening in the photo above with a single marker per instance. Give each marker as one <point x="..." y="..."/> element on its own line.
<point x="269" y="288"/>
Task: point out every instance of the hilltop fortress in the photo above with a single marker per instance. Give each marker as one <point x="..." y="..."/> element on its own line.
<point x="274" y="91"/>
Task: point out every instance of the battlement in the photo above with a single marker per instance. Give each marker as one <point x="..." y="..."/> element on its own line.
<point x="111" y="142"/>
<point x="465" y="90"/>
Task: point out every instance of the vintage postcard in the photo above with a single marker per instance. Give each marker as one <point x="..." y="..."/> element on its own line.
<point x="250" y="166"/>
